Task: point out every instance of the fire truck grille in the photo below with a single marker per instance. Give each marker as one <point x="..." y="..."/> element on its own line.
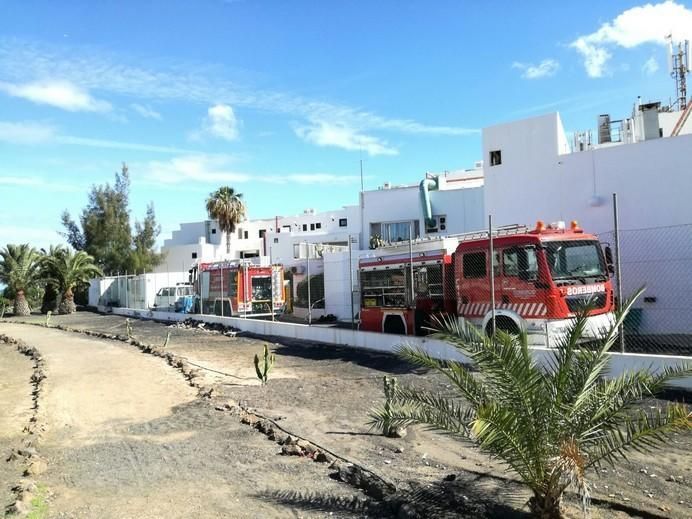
<point x="576" y="303"/>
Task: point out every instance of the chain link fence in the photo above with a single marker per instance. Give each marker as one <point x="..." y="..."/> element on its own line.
<point x="660" y="260"/>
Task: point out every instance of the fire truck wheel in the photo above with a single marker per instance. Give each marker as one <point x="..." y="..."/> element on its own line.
<point x="506" y="324"/>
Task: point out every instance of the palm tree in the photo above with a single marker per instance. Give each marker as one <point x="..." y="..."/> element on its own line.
<point x="20" y="270"/>
<point x="549" y="423"/>
<point x="226" y="206"/>
<point x="51" y="295"/>
<point x="70" y="270"/>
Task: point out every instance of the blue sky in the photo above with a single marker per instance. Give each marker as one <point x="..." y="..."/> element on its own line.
<point x="283" y="99"/>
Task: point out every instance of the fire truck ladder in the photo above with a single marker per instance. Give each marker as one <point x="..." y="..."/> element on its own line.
<point x="505" y="230"/>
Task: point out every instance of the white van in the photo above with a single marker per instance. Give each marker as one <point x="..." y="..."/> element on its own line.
<point x="167" y="297"/>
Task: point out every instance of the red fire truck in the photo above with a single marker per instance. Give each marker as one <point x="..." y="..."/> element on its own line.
<point x="542" y="277"/>
<point x="238" y="288"/>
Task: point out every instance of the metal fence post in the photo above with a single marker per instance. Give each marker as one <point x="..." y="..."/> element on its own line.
<point x="350" y="277"/>
<point x="410" y="263"/>
<point x="222" y="294"/>
<point x="492" y="272"/>
<point x="618" y="270"/>
<point x="307" y="246"/>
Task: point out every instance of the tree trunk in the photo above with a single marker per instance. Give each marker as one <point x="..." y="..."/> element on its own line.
<point x="21" y="305"/>
<point x="228" y="242"/>
<point x="67" y="305"/>
<point x="546" y="506"/>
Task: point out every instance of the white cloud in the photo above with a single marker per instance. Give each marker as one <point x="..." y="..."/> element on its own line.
<point x="25" y="132"/>
<point x="323" y="133"/>
<point x="649" y="23"/>
<point x="40" y="237"/>
<point x="650" y="66"/>
<point x="24" y="60"/>
<point x="201" y="169"/>
<point x="33" y="133"/>
<point x="221" y="122"/>
<point x="146" y="111"/>
<point x="546" y="68"/>
<point x="35" y="183"/>
<point x="57" y="93"/>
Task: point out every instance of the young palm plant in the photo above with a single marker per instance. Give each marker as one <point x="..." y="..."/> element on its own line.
<point x="20" y="270"/>
<point x="227" y="207"/>
<point x="69" y="270"/>
<point x="548" y="422"/>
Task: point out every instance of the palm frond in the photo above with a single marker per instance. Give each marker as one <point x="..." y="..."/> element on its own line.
<point x="641" y="432"/>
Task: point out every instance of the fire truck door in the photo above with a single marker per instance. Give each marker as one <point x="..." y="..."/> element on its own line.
<point x="519" y="274"/>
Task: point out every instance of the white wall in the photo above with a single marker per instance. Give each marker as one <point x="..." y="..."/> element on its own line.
<point x="653" y="183"/>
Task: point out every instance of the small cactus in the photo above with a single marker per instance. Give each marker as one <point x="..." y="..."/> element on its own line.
<point x="267" y="363"/>
<point x="168" y="338"/>
<point x="49" y="314"/>
<point x="390" y="387"/>
<point x="128" y="326"/>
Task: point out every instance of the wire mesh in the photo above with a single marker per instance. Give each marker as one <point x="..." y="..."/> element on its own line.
<point x="660" y="260"/>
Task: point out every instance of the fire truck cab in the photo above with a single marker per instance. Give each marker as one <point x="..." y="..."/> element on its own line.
<point x="238" y="288"/>
<point x="542" y="278"/>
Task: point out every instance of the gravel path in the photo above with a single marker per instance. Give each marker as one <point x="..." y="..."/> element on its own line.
<point x="127" y="437"/>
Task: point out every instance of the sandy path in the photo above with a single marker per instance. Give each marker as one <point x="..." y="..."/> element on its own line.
<point x="127" y="438"/>
<point x="15" y="410"/>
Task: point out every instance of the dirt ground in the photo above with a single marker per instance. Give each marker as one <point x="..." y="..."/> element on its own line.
<point x="322" y="393"/>
<point x="15" y="410"/>
<point x="127" y="437"/>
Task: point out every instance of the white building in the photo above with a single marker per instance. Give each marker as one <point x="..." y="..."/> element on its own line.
<point x="533" y="173"/>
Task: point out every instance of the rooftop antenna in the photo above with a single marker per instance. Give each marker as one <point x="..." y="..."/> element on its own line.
<point x="678" y="67"/>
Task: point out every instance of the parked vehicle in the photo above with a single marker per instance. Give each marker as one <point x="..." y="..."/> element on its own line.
<point x="238" y="288"/>
<point x="171" y="299"/>
<point x="542" y="277"/>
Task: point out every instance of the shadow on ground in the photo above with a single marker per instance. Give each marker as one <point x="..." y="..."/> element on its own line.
<point x="469" y="495"/>
<point x="318" y="351"/>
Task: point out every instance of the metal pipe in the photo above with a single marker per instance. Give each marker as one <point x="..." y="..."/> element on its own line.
<point x="618" y="272"/>
<point x="492" y="273"/>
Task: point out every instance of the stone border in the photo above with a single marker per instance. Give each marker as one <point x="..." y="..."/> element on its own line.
<point x="346" y="471"/>
<point x="26" y="489"/>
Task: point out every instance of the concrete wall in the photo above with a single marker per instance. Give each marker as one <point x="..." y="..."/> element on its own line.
<point x="620" y="362"/>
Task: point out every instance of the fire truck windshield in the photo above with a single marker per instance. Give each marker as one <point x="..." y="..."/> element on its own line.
<point x="575" y="259"/>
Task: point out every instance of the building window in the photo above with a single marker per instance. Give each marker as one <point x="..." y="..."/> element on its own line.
<point x="305" y="227"/>
<point x="392" y="232"/>
<point x="318" y="225"/>
<point x="286" y="228"/>
<point x="474" y="265"/>
<point x="495" y="158"/>
<point x="262" y="232"/>
<point x="276" y="240"/>
<point x="312" y="226"/>
<point x="213" y="231"/>
<point x="194" y="255"/>
<point x="245" y="235"/>
<point x="343" y="222"/>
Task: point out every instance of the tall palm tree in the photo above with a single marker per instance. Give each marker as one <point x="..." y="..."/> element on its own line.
<point x="70" y="270"/>
<point x="20" y="270"/>
<point x="549" y="423"/>
<point x="226" y="206"/>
